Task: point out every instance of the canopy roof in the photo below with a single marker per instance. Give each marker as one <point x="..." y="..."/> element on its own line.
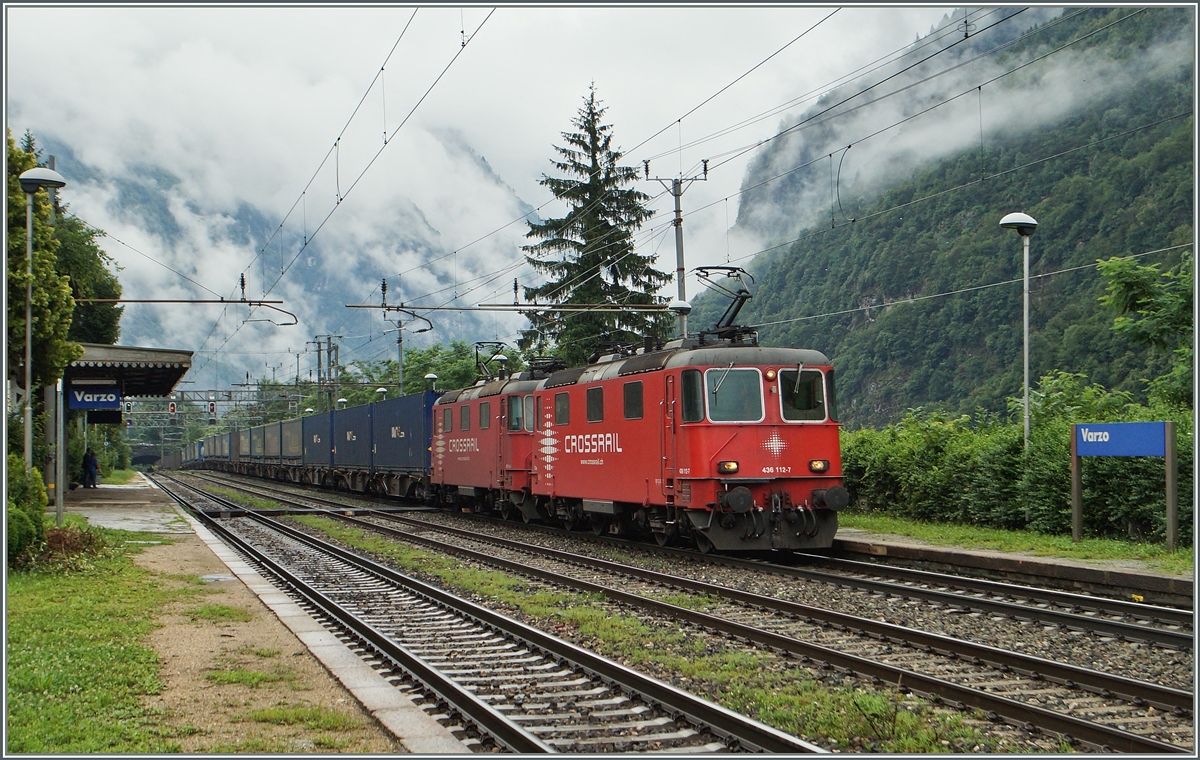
<point x="152" y="372"/>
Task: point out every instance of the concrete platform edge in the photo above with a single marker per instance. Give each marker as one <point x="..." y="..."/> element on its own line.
<point x="415" y="729"/>
<point x="1031" y="566"/>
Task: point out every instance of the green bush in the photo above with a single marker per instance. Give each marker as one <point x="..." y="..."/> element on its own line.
<point x="934" y="468"/>
<point x="26" y="509"/>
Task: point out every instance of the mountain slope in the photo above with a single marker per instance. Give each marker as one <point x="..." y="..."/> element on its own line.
<point x="1102" y="181"/>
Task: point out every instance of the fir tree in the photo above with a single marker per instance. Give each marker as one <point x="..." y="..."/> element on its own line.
<point x="588" y="255"/>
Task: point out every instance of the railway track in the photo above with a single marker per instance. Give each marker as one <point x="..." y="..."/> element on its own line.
<point x="526" y="691"/>
<point x="1099" y="710"/>
<point x="1101" y="616"/>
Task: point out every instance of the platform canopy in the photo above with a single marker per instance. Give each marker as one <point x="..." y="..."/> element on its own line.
<point x="138" y="372"/>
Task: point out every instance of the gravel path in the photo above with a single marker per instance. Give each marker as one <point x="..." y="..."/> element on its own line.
<point x="207" y="716"/>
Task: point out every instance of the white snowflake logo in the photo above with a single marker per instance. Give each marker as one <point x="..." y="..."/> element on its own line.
<point x="775" y="445"/>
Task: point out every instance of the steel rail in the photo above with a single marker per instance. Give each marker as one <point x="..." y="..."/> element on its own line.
<point x="1071" y="620"/>
<point x="1071" y="676"/>
<point x="1017" y="713"/>
<point x="1062" y="598"/>
<point x="504" y="731"/>
<point x="1161" y="697"/>
<point x="749" y="733"/>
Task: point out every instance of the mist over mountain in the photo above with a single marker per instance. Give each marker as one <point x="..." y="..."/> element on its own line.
<point x="148" y="209"/>
<point x="875" y="201"/>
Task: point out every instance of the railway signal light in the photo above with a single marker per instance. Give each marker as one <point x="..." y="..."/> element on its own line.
<point x="212" y="412"/>
<point x="171" y="407"/>
<point x="129" y="407"/>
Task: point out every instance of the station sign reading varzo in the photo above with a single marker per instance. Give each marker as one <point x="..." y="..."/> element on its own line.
<point x="94" y="397"/>
<point x="1124" y="439"/>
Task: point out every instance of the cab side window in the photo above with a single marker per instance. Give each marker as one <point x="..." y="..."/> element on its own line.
<point x="515" y="413"/>
<point x="633" y="400"/>
<point x="447" y="420"/>
<point x="562" y="408"/>
<point x="595" y="404"/>
<point x="464" y="418"/>
<point x="485" y="415"/>
<point x="693" y="395"/>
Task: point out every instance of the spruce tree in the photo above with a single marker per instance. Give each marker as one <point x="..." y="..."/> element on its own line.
<point x="588" y="255"/>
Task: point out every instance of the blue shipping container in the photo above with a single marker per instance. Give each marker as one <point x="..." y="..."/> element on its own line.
<point x="352" y="437"/>
<point x="318" y="440"/>
<point x="401" y="431"/>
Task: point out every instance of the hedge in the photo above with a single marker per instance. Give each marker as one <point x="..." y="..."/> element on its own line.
<point x="26" y="514"/>
<point x="976" y="471"/>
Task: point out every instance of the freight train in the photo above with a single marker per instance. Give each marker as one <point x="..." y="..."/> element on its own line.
<point x="712" y="441"/>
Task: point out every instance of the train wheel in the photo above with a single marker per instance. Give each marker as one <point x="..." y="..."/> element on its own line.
<point x="508" y="510"/>
<point x="662" y="539"/>
<point x="703" y="545"/>
<point x="599" y="524"/>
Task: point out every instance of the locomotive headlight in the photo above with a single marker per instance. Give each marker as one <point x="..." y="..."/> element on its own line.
<point x="770" y="374"/>
<point x="727" y="468"/>
<point x="818" y="465"/>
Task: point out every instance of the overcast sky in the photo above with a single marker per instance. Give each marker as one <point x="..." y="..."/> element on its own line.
<point x="242" y="105"/>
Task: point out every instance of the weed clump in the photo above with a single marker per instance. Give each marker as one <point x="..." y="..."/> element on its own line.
<point x="72" y="549"/>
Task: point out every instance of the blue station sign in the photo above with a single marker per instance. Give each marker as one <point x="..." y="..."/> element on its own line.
<point x="1121" y="439"/>
<point x="94" y="397"/>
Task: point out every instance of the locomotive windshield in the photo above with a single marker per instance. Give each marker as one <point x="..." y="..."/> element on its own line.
<point x="734" y="395"/>
<point x="803" y="400"/>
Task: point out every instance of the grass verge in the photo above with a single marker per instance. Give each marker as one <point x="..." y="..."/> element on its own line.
<point x="776" y="691"/>
<point x="317" y="718"/>
<point x="242" y="498"/>
<point x="1157" y="558"/>
<point x="119" y="477"/>
<point x="77" y="669"/>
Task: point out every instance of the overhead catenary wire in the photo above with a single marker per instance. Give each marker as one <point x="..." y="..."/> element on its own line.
<point x="741" y="77"/>
<point x="959" y="65"/>
<point x="341" y="197"/>
<point x="971" y="183"/>
<point x="960" y="291"/>
<point x="636" y="147"/>
<point x="525" y="216"/>
<point x="925" y="79"/>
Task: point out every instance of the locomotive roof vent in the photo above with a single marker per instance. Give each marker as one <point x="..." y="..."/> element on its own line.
<point x="546" y="364"/>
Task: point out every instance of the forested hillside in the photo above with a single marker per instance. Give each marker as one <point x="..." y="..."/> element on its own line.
<point x="915" y="292"/>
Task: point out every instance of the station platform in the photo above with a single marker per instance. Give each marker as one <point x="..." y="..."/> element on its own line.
<point x="142" y="506"/>
<point x="1125" y="579"/>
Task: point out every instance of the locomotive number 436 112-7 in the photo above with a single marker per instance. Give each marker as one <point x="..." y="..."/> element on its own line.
<point x="776" y="470"/>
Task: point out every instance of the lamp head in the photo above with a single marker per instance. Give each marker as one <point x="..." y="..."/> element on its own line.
<point x="680" y="307"/>
<point x="38" y="177"/>
<point x="1024" y="224"/>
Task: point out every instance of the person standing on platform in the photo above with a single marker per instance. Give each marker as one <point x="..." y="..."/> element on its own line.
<point x="91" y="469"/>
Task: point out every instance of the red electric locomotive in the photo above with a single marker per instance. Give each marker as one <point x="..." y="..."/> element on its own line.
<point x="712" y="441"/>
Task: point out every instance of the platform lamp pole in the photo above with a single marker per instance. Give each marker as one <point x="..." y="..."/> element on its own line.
<point x="60" y="454"/>
<point x="32" y="181"/>
<point x="1024" y="224"/>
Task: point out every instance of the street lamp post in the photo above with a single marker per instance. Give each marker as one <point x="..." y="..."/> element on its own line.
<point x="1024" y="224"/>
<point x="32" y="181"/>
